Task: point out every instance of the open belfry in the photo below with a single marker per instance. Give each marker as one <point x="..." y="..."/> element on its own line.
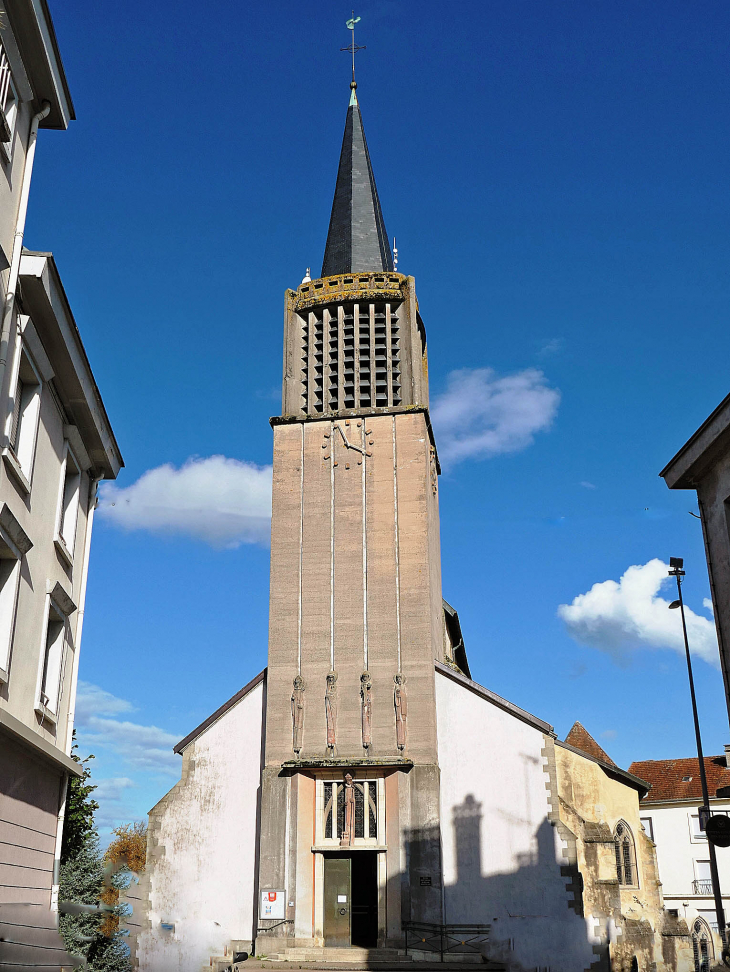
<point x="363" y="800"/>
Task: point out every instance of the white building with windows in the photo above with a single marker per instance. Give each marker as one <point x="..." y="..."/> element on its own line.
<point x="56" y="443"/>
<point x="670" y="817"/>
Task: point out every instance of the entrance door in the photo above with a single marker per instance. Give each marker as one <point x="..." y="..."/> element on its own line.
<point x="364" y="899"/>
<point x="337" y="902"/>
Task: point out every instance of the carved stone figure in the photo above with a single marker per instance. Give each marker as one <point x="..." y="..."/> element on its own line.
<point x="366" y="687"/>
<point x="349" y="830"/>
<point x="400" y="700"/>
<point x="330" y="707"/>
<point x="297" y="713"/>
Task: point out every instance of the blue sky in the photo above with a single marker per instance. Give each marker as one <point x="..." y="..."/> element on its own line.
<point x="556" y="177"/>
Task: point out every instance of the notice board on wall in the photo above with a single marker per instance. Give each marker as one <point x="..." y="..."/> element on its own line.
<point x="273" y="904"/>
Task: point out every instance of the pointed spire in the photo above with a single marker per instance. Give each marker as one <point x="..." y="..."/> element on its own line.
<point x="357" y="240"/>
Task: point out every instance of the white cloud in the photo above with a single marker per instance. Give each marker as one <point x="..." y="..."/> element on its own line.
<point x="92" y="700"/>
<point x="224" y="502"/>
<point x="552" y="346"/>
<point x="586" y="485"/>
<point x="618" y="617"/>
<point x="481" y="414"/>
<point x="114" y="788"/>
<point x="112" y="795"/>
<point x="142" y="747"/>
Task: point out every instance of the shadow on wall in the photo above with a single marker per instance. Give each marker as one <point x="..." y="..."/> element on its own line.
<point x="536" y="921"/>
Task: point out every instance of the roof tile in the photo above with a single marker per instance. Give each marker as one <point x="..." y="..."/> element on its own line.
<point x="667" y="777"/>
<point x="580" y="738"/>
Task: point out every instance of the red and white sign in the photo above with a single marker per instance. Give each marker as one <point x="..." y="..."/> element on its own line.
<point x="273" y="904"/>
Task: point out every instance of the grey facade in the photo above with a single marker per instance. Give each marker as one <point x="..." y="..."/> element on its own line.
<point x="56" y="443"/>
<point x="703" y="464"/>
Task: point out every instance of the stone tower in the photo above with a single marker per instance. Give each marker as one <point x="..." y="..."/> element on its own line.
<point x="356" y="618"/>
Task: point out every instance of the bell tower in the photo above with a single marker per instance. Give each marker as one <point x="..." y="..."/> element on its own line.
<point x="356" y="618"/>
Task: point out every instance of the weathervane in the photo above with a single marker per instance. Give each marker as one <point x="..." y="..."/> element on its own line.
<point x="353" y="47"/>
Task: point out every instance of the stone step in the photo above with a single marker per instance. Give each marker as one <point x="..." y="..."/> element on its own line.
<point x="338" y="955"/>
<point x="380" y="966"/>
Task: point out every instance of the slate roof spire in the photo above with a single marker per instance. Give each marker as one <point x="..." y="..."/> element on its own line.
<point x="357" y="240"/>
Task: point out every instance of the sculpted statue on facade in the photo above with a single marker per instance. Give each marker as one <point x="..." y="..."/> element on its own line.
<point x="400" y="700"/>
<point x="297" y="713"/>
<point x="330" y="707"/>
<point x="366" y="689"/>
<point x="349" y="830"/>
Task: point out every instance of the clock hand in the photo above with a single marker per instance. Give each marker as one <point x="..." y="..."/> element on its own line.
<point x="349" y="444"/>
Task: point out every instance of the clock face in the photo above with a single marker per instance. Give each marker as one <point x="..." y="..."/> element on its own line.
<point x="348" y="443"/>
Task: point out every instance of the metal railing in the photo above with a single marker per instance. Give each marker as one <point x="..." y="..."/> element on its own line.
<point x="464" y="939"/>
<point x="702" y="887"/>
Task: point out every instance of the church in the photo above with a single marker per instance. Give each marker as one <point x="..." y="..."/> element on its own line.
<point x="363" y="800"/>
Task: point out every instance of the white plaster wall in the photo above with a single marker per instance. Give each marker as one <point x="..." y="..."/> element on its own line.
<point x="677" y="850"/>
<point x="201" y="876"/>
<point x="501" y="854"/>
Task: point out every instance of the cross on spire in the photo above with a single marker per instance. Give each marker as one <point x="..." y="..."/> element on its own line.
<point x="353" y="48"/>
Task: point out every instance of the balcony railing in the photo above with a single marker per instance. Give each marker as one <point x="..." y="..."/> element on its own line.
<point x="702" y="887"/>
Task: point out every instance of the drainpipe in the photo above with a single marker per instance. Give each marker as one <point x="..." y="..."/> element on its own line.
<point x="9" y="304"/>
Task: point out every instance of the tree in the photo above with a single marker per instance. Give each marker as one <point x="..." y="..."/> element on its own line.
<point x="78" y="822"/>
<point x="89" y="876"/>
<point x="126" y="855"/>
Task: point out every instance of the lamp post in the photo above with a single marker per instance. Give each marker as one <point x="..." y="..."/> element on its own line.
<point x="676" y="564"/>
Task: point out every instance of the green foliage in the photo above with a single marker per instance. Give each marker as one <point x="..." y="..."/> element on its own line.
<point x="82" y="880"/>
<point x="78" y="823"/>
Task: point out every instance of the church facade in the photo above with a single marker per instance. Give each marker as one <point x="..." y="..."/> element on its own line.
<point x="363" y="798"/>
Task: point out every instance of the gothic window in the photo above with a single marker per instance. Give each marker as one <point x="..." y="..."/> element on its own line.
<point x="625" y="855"/>
<point x="702" y="946"/>
<point x="366" y="810"/>
<point x="328" y="797"/>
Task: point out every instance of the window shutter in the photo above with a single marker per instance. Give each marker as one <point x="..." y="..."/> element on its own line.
<point x="15" y="426"/>
<point x="53" y="669"/>
<point x="4" y="91"/>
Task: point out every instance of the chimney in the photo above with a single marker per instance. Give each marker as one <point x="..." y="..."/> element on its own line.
<point x="727" y="754"/>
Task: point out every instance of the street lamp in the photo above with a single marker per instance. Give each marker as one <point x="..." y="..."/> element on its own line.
<point x="676" y="564"/>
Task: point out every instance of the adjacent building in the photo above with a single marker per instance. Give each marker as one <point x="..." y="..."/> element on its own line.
<point x="363" y="795"/>
<point x="670" y="817"/>
<point x="56" y="443"/>
<point x="703" y="464"/>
